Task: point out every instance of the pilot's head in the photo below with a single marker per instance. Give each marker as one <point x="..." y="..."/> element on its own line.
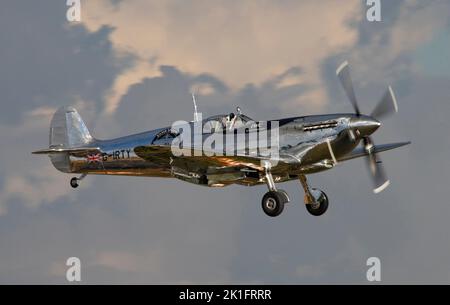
<point x="231" y="116"/>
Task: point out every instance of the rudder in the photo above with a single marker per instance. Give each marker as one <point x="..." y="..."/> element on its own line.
<point x="67" y="130"/>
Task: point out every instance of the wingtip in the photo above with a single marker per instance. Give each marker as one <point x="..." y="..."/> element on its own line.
<point x="405" y="143"/>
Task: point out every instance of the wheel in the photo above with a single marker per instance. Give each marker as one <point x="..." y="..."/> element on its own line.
<point x="320" y="206"/>
<point x="74" y="182"/>
<point x="285" y="195"/>
<point x="273" y="203"/>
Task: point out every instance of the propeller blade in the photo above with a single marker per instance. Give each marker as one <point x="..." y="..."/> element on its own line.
<point x="386" y="106"/>
<point x="379" y="175"/>
<point x="376" y="168"/>
<point x="343" y="73"/>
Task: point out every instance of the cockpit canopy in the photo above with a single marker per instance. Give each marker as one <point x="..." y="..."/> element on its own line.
<point x="218" y="123"/>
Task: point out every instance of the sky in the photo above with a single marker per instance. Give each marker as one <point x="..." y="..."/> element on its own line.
<point x="129" y="66"/>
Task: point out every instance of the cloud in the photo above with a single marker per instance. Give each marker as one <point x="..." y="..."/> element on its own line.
<point x="384" y="52"/>
<point x="268" y="57"/>
<point x="185" y="35"/>
<point x="120" y="261"/>
<point x="158" y="97"/>
<point x="26" y="179"/>
<point x="42" y="187"/>
<point x="56" y="62"/>
<point x="239" y="43"/>
<point x="47" y="63"/>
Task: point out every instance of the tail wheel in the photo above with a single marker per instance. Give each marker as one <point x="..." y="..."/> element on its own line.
<point x="74" y="182"/>
<point x="319" y="207"/>
<point x="273" y="203"/>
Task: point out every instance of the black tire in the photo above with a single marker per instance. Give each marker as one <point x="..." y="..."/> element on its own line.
<point x="74" y="182"/>
<point x="273" y="203"/>
<point x="321" y="208"/>
<point x="284" y="195"/>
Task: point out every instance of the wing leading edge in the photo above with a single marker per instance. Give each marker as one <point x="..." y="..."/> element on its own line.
<point x="361" y="152"/>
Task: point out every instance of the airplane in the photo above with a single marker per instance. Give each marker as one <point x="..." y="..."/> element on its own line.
<point x="307" y="145"/>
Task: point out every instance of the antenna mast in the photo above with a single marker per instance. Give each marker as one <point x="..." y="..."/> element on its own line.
<point x="195" y="108"/>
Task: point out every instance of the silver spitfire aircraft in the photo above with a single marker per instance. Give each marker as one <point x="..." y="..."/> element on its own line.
<point x="298" y="146"/>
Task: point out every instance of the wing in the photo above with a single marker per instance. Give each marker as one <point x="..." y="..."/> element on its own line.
<point x="163" y="154"/>
<point x="158" y="154"/>
<point x="361" y="152"/>
<point x="210" y="170"/>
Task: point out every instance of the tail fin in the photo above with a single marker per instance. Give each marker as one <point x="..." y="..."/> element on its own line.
<point x="67" y="129"/>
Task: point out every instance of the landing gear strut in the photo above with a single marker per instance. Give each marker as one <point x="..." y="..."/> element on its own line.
<point x="74" y="180"/>
<point x="274" y="200"/>
<point x="316" y="201"/>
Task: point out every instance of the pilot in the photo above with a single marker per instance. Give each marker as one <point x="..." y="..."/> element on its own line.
<point x="228" y="120"/>
<point x="224" y="122"/>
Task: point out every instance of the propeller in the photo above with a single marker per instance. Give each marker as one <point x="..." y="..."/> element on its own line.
<point x="376" y="167"/>
<point x="343" y="73"/>
<point x="385" y="107"/>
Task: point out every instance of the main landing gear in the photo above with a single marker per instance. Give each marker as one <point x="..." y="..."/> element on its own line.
<point x="74" y="180"/>
<point x="316" y="201"/>
<point x="273" y="201"/>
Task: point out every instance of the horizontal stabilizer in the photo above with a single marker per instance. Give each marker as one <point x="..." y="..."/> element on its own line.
<point x="361" y="151"/>
<point x="74" y="151"/>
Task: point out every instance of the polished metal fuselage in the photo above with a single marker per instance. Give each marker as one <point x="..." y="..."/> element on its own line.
<point x="307" y="145"/>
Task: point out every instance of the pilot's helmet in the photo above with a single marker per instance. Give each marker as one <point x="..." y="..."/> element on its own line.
<point x="231" y="116"/>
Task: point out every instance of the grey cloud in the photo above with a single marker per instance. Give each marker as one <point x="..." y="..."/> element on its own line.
<point x="161" y="100"/>
<point x="47" y="61"/>
<point x="175" y="232"/>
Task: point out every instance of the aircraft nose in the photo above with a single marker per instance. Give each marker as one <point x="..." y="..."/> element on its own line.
<point x="365" y="125"/>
